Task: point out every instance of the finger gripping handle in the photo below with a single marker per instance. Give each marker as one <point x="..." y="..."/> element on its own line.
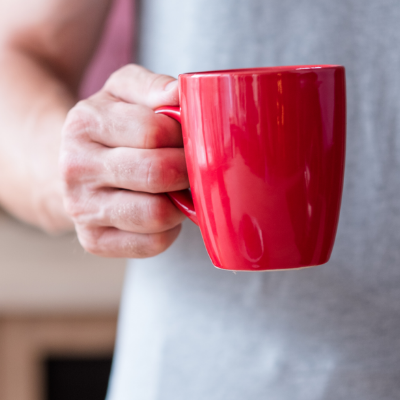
<point x="182" y="198"/>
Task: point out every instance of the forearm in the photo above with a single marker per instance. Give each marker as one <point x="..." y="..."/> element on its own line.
<point x="45" y="46"/>
<point x="33" y="106"/>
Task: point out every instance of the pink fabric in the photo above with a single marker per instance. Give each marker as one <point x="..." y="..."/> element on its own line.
<point x="114" y="50"/>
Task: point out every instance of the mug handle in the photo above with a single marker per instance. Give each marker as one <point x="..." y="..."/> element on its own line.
<point x="182" y="198"/>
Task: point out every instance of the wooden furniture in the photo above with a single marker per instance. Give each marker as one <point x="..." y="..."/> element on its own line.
<point x="25" y="343"/>
<point x="55" y="300"/>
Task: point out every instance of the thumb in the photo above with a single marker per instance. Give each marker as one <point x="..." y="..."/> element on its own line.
<point x="137" y="85"/>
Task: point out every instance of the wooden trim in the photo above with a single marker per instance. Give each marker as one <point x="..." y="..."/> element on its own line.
<point x="26" y="342"/>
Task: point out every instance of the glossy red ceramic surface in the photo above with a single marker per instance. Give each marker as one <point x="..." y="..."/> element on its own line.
<point x="265" y="151"/>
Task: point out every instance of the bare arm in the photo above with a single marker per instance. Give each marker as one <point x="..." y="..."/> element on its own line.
<point x="118" y="158"/>
<point x="45" y="46"/>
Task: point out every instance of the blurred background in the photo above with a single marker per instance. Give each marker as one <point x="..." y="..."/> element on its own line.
<point x="59" y="304"/>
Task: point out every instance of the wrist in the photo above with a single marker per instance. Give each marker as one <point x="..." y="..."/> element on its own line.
<point x="48" y="209"/>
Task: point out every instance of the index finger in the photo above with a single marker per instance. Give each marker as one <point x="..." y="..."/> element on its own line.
<point x="114" y="123"/>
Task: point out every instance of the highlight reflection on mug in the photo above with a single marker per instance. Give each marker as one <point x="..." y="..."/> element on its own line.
<point x="252" y="245"/>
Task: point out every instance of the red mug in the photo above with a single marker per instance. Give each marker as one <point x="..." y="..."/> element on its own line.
<point x="265" y="152"/>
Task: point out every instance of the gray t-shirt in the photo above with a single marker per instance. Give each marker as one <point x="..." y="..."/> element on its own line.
<point x="190" y="331"/>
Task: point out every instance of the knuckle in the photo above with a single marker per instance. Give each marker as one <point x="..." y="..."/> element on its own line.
<point x="121" y="74"/>
<point x="156" y="82"/>
<point x="81" y="209"/>
<point x="73" y="206"/>
<point x="89" y="239"/>
<point x="136" y="247"/>
<point x="137" y="250"/>
<point x="154" y="89"/>
<point x="80" y="206"/>
<point x="159" y="242"/>
<point x="148" y="246"/>
<point x="157" y="96"/>
<point x="81" y="120"/>
<point x="131" y="213"/>
<point x="76" y="163"/>
<point x="153" y="137"/>
<point x="159" y="212"/>
<point x="153" y="174"/>
<point x="176" y="172"/>
<point x="150" y="130"/>
<point x="71" y="169"/>
<point x="88" y="242"/>
<point x="163" y="171"/>
<point x="130" y="69"/>
<point x="113" y="78"/>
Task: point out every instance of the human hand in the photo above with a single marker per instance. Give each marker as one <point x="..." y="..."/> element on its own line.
<point x="118" y="159"/>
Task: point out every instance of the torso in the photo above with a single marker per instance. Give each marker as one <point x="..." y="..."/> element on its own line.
<point x="189" y="331"/>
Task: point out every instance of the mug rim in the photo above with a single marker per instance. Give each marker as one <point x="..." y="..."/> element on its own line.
<point x="261" y="70"/>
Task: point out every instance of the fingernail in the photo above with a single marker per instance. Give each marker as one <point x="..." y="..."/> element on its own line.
<point x="171" y="85"/>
